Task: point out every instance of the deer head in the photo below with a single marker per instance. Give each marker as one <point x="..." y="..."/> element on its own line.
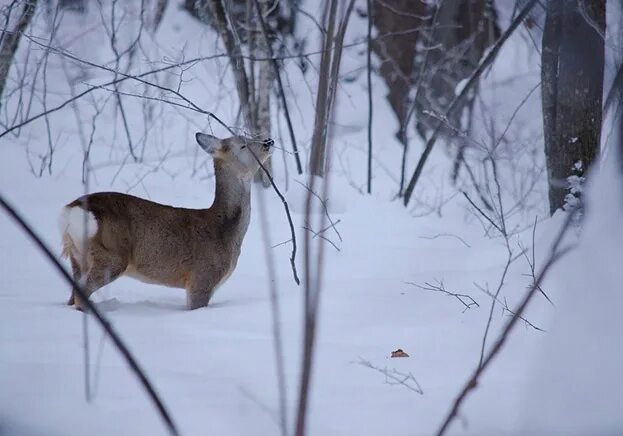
<point x="238" y="154"/>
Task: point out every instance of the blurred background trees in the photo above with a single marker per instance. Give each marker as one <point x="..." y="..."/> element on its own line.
<point x="424" y="52"/>
<point x="572" y="72"/>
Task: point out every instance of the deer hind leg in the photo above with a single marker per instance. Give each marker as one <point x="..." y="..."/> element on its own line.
<point x="76" y="269"/>
<point x="104" y="267"/>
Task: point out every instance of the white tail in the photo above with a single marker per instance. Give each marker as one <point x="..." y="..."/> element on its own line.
<point x="77" y="226"/>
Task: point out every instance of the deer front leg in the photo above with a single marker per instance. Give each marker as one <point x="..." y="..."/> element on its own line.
<point x="199" y="292"/>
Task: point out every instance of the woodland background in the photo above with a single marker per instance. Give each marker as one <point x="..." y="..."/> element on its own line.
<point x="446" y="181"/>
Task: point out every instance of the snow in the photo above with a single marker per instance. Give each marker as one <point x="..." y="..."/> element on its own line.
<point x="215" y="367"/>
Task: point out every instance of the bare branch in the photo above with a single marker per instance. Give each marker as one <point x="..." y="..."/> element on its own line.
<point x="472" y="381"/>
<point x="324" y="207"/>
<point x="465" y="299"/>
<point x="505" y="307"/>
<point x="450" y="235"/>
<point x="395" y="377"/>
<point x="497" y="227"/>
<point x="110" y="83"/>
<point x="320" y="235"/>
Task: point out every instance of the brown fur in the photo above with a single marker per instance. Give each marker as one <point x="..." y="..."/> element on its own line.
<point x="194" y="249"/>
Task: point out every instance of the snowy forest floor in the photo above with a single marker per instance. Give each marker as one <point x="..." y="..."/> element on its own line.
<point x="215" y="367"/>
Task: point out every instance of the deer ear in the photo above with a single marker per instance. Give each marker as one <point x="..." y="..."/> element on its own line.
<point x="211" y="144"/>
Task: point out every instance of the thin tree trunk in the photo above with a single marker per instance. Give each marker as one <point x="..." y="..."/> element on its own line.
<point x="324" y="114"/>
<point x="275" y="65"/>
<point x="327" y="86"/>
<point x="265" y="81"/>
<point x="235" y="57"/>
<point x="549" y="78"/>
<point x="10" y="41"/>
<point x="317" y="154"/>
<point x="369" y="77"/>
<point x="161" y="6"/>
<point x="572" y="100"/>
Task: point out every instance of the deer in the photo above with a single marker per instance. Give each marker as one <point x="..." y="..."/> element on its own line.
<point x="107" y="235"/>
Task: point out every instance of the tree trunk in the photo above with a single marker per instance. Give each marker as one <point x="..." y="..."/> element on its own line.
<point x="10" y="41"/>
<point x="235" y="56"/>
<point x="317" y="153"/>
<point x="79" y="6"/>
<point x="397" y="21"/>
<point x="572" y="75"/>
<point x="265" y="81"/>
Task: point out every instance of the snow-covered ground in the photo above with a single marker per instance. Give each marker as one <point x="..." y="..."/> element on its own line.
<point x="215" y="367"/>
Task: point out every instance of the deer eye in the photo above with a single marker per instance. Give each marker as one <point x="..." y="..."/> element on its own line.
<point x="243" y="147"/>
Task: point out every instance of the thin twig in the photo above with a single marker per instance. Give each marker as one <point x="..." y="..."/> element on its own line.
<point x="450" y="235"/>
<point x="497" y="227"/>
<point x="532" y="263"/>
<point x="505" y="307"/>
<point x="395" y="377"/>
<point x="466" y="300"/>
<point x="319" y="235"/>
<point x="288" y="215"/>
<point x="109" y="83"/>
<point x="324" y="206"/>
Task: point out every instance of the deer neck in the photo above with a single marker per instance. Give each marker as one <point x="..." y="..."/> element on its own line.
<point x="232" y="201"/>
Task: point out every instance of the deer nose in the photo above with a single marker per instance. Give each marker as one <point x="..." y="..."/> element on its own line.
<point x="267" y="143"/>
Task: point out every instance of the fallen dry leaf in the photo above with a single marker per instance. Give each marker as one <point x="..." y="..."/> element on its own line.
<point x="399" y="353"/>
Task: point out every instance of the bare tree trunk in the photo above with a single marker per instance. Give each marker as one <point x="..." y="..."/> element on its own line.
<point x="619" y="89"/>
<point x="161" y="6"/>
<point x="327" y="85"/>
<point x="397" y="22"/>
<point x="10" y="40"/>
<point x="317" y="153"/>
<point x="331" y="59"/>
<point x="572" y="74"/>
<point x="79" y="6"/>
<point x="235" y="57"/>
<point x="369" y="77"/>
<point x="265" y="81"/>
<point x="550" y="47"/>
